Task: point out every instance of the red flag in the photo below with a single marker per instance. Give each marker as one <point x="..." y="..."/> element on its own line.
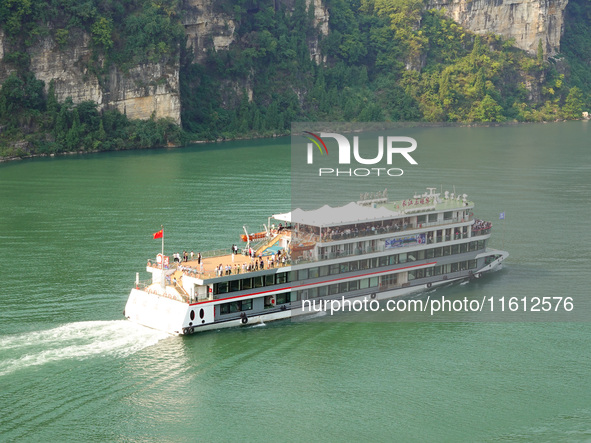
<point x="158" y="234"/>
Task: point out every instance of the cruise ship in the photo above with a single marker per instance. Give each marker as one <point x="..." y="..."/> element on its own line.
<point x="373" y="248"/>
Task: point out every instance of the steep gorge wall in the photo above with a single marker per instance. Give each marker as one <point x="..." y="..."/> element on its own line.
<point x="527" y="21"/>
<point x="145" y="90"/>
<point x="209" y="29"/>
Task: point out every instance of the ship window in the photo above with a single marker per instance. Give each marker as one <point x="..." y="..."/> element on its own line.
<point x="463" y="265"/>
<point x="312" y="292"/>
<point x="454" y="267"/>
<point x="411" y="256"/>
<point x="437" y="270"/>
<point x="343" y="287"/>
<point x="411" y="275"/>
<point x="471" y="264"/>
<point x="402" y="257"/>
<point x="353" y="285"/>
<point x="344" y="267"/>
<point x="333" y="289"/>
<point x="247" y="283"/>
<point x="480" y="244"/>
<point x="322" y="291"/>
<point x="437" y="252"/>
<point x="420" y="273"/>
<point x="420" y="254"/>
<point x="295" y="295"/>
<point x="394" y="259"/>
<point x="421" y="219"/>
<point x="234" y="285"/>
<point x="446" y="268"/>
<point x="282" y="298"/>
<point x="448" y="215"/>
<point x="364" y="284"/>
<point x="334" y="269"/>
<point x="281" y="278"/>
<point x="293" y="276"/>
<point x="373" y="263"/>
<point x="236" y="306"/>
<point x="383" y="261"/>
<point x="463" y="248"/>
<point x="432" y="217"/>
<point x="373" y="281"/>
<point x="473" y="245"/>
<point x="303" y="274"/>
<point x="222" y="287"/>
<point x="323" y="271"/>
<point x="430" y="253"/>
<point x="428" y="272"/>
<point x="258" y="282"/>
<point x="354" y="265"/>
<point x="313" y="273"/>
<point x="446" y="250"/>
<point x="455" y="249"/>
<point x="269" y="280"/>
<point x="363" y="264"/>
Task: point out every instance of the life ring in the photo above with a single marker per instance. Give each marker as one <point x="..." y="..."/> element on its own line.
<point x="429" y="285"/>
<point x="244" y="320"/>
<point x="373" y="295"/>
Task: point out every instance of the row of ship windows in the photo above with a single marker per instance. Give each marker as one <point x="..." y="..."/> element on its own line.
<point x="340" y="288"/>
<point x="340" y="268"/>
<point x="384" y="281"/>
<point x="246" y="305"/>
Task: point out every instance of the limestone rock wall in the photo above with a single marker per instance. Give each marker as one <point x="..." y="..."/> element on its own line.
<point x="527" y="21"/>
<point x="206" y="29"/>
<point x="146" y="90"/>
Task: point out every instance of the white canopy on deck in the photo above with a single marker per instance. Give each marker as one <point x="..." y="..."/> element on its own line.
<point x="343" y="215"/>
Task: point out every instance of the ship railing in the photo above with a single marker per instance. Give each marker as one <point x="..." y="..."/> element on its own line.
<point x="325" y="238"/>
<point x="143" y="284"/>
<point x="153" y="263"/>
<point x="210" y="273"/>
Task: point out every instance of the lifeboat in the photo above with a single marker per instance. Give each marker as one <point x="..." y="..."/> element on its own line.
<point x="304" y="246"/>
<point x="251" y="237"/>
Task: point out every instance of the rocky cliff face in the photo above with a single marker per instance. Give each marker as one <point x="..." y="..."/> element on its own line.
<point x="527" y="21"/>
<point x="208" y="29"/>
<point x="143" y="91"/>
<point x="146" y="90"/>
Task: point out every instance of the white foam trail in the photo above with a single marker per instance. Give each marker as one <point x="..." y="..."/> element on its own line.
<point x="259" y="325"/>
<point x="78" y="341"/>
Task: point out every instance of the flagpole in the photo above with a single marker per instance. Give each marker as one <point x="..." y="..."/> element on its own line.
<point x="162" y="277"/>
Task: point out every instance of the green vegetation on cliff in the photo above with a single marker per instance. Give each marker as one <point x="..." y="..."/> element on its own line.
<point x="384" y="60"/>
<point x="381" y="60"/>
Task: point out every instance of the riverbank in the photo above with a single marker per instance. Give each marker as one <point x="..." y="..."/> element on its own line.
<point x="168" y="146"/>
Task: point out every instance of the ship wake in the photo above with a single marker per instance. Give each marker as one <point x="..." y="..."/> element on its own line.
<point x="77" y="341"/>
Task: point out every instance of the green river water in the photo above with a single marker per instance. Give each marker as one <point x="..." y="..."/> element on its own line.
<point x="75" y="229"/>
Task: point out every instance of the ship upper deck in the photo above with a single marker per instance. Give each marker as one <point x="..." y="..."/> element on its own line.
<point x="219" y="263"/>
